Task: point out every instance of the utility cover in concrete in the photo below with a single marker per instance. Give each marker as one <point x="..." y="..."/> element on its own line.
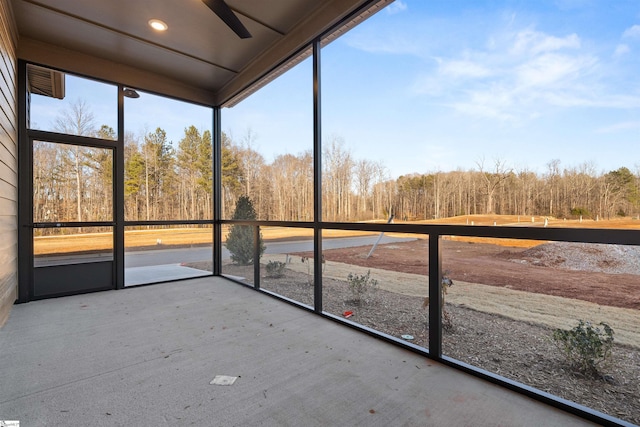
<point x="223" y="380"/>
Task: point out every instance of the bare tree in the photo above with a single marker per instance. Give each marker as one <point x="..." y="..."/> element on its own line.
<point x="77" y="119"/>
<point x="337" y="178"/>
<point x="493" y="180"/>
<point x="252" y="164"/>
<point x="365" y="171"/>
<point x="553" y="179"/>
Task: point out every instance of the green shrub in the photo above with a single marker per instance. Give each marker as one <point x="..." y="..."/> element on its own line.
<point x="585" y="347"/>
<point x="240" y="237"/>
<point x="362" y="287"/>
<point x="275" y="269"/>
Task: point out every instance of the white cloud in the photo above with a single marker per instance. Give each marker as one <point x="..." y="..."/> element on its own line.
<point x="510" y="73"/>
<point x="396" y="7"/>
<point x="535" y="42"/>
<point x="550" y="69"/>
<point x="449" y="74"/>
<point x="390" y="42"/>
<point x="429" y="85"/>
<point x="464" y="68"/>
<point x="621" y="50"/>
<point x="632" y="32"/>
<point x="618" y="101"/>
<point x="489" y="104"/>
<point x="619" y="127"/>
<point x="522" y="75"/>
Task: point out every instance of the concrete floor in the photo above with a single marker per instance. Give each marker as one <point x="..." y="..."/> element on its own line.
<point x="146" y="356"/>
<point x="152" y="273"/>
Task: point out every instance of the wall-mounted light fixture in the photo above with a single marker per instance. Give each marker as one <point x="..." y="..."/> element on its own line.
<point x="130" y="93"/>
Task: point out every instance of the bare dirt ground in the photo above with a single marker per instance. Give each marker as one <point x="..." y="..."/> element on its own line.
<point x="541" y="269"/>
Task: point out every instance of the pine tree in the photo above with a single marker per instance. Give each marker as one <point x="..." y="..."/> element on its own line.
<point x="240" y="237"/>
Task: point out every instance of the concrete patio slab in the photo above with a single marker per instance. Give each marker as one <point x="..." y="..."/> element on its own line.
<point x="147" y="356"/>
<point x="152" y="273"/>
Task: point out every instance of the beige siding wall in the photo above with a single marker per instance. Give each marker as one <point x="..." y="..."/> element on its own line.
<point x="8" y="162"/>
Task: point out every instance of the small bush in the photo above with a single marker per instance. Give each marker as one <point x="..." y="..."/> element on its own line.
<point x="275" y="269"/>
<point x="579" y="211"/>
<point x="585" y="347"/>
<point x="362" y="287"/>
<point x="309" y="262"/>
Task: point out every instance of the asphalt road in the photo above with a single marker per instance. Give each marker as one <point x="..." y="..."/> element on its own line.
<point x="175" y="256"/>
<point x="181" y="255"/>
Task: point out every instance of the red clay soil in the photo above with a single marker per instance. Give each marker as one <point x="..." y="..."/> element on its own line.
<point x="497" y="266"/>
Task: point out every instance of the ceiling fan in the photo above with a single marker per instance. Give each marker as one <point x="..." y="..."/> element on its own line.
<point x="224" y="12"/>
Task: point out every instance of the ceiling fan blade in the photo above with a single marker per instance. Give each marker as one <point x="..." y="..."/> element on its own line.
<point x="224" y="12"/>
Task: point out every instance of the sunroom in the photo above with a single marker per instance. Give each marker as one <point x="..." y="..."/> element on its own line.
<point x="456" y="183"/>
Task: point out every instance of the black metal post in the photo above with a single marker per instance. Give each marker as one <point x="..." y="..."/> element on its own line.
<point x="256" y="257"/>
<point x="435" y="297"/>
<point x="317" y="181"/>
<point x="118" y="199"/>
<point x="217" y="192"/>
<point x="25" y="193"/>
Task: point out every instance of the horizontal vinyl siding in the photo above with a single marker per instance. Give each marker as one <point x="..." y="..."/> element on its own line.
<point x="8" y="162"/>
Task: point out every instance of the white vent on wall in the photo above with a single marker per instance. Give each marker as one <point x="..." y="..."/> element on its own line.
<point x="45" y="81"/>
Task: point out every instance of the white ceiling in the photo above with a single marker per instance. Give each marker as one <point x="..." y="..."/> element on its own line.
<point x="198" y="58"/>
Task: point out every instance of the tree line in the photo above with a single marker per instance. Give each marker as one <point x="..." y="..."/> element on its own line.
<point x="360" y="189"/>
<point x="166" y="180"/>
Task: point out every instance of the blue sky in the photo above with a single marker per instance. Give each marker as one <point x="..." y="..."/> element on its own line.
<point x="439" y="85"/>
<point x="428" y="86"/>
<point x="142" y="115"/>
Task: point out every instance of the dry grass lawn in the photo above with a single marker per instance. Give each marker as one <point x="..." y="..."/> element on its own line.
<point x="135" y="239"/>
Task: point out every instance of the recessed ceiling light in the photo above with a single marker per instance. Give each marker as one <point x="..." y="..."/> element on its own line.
<point x="158" y="25"/>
